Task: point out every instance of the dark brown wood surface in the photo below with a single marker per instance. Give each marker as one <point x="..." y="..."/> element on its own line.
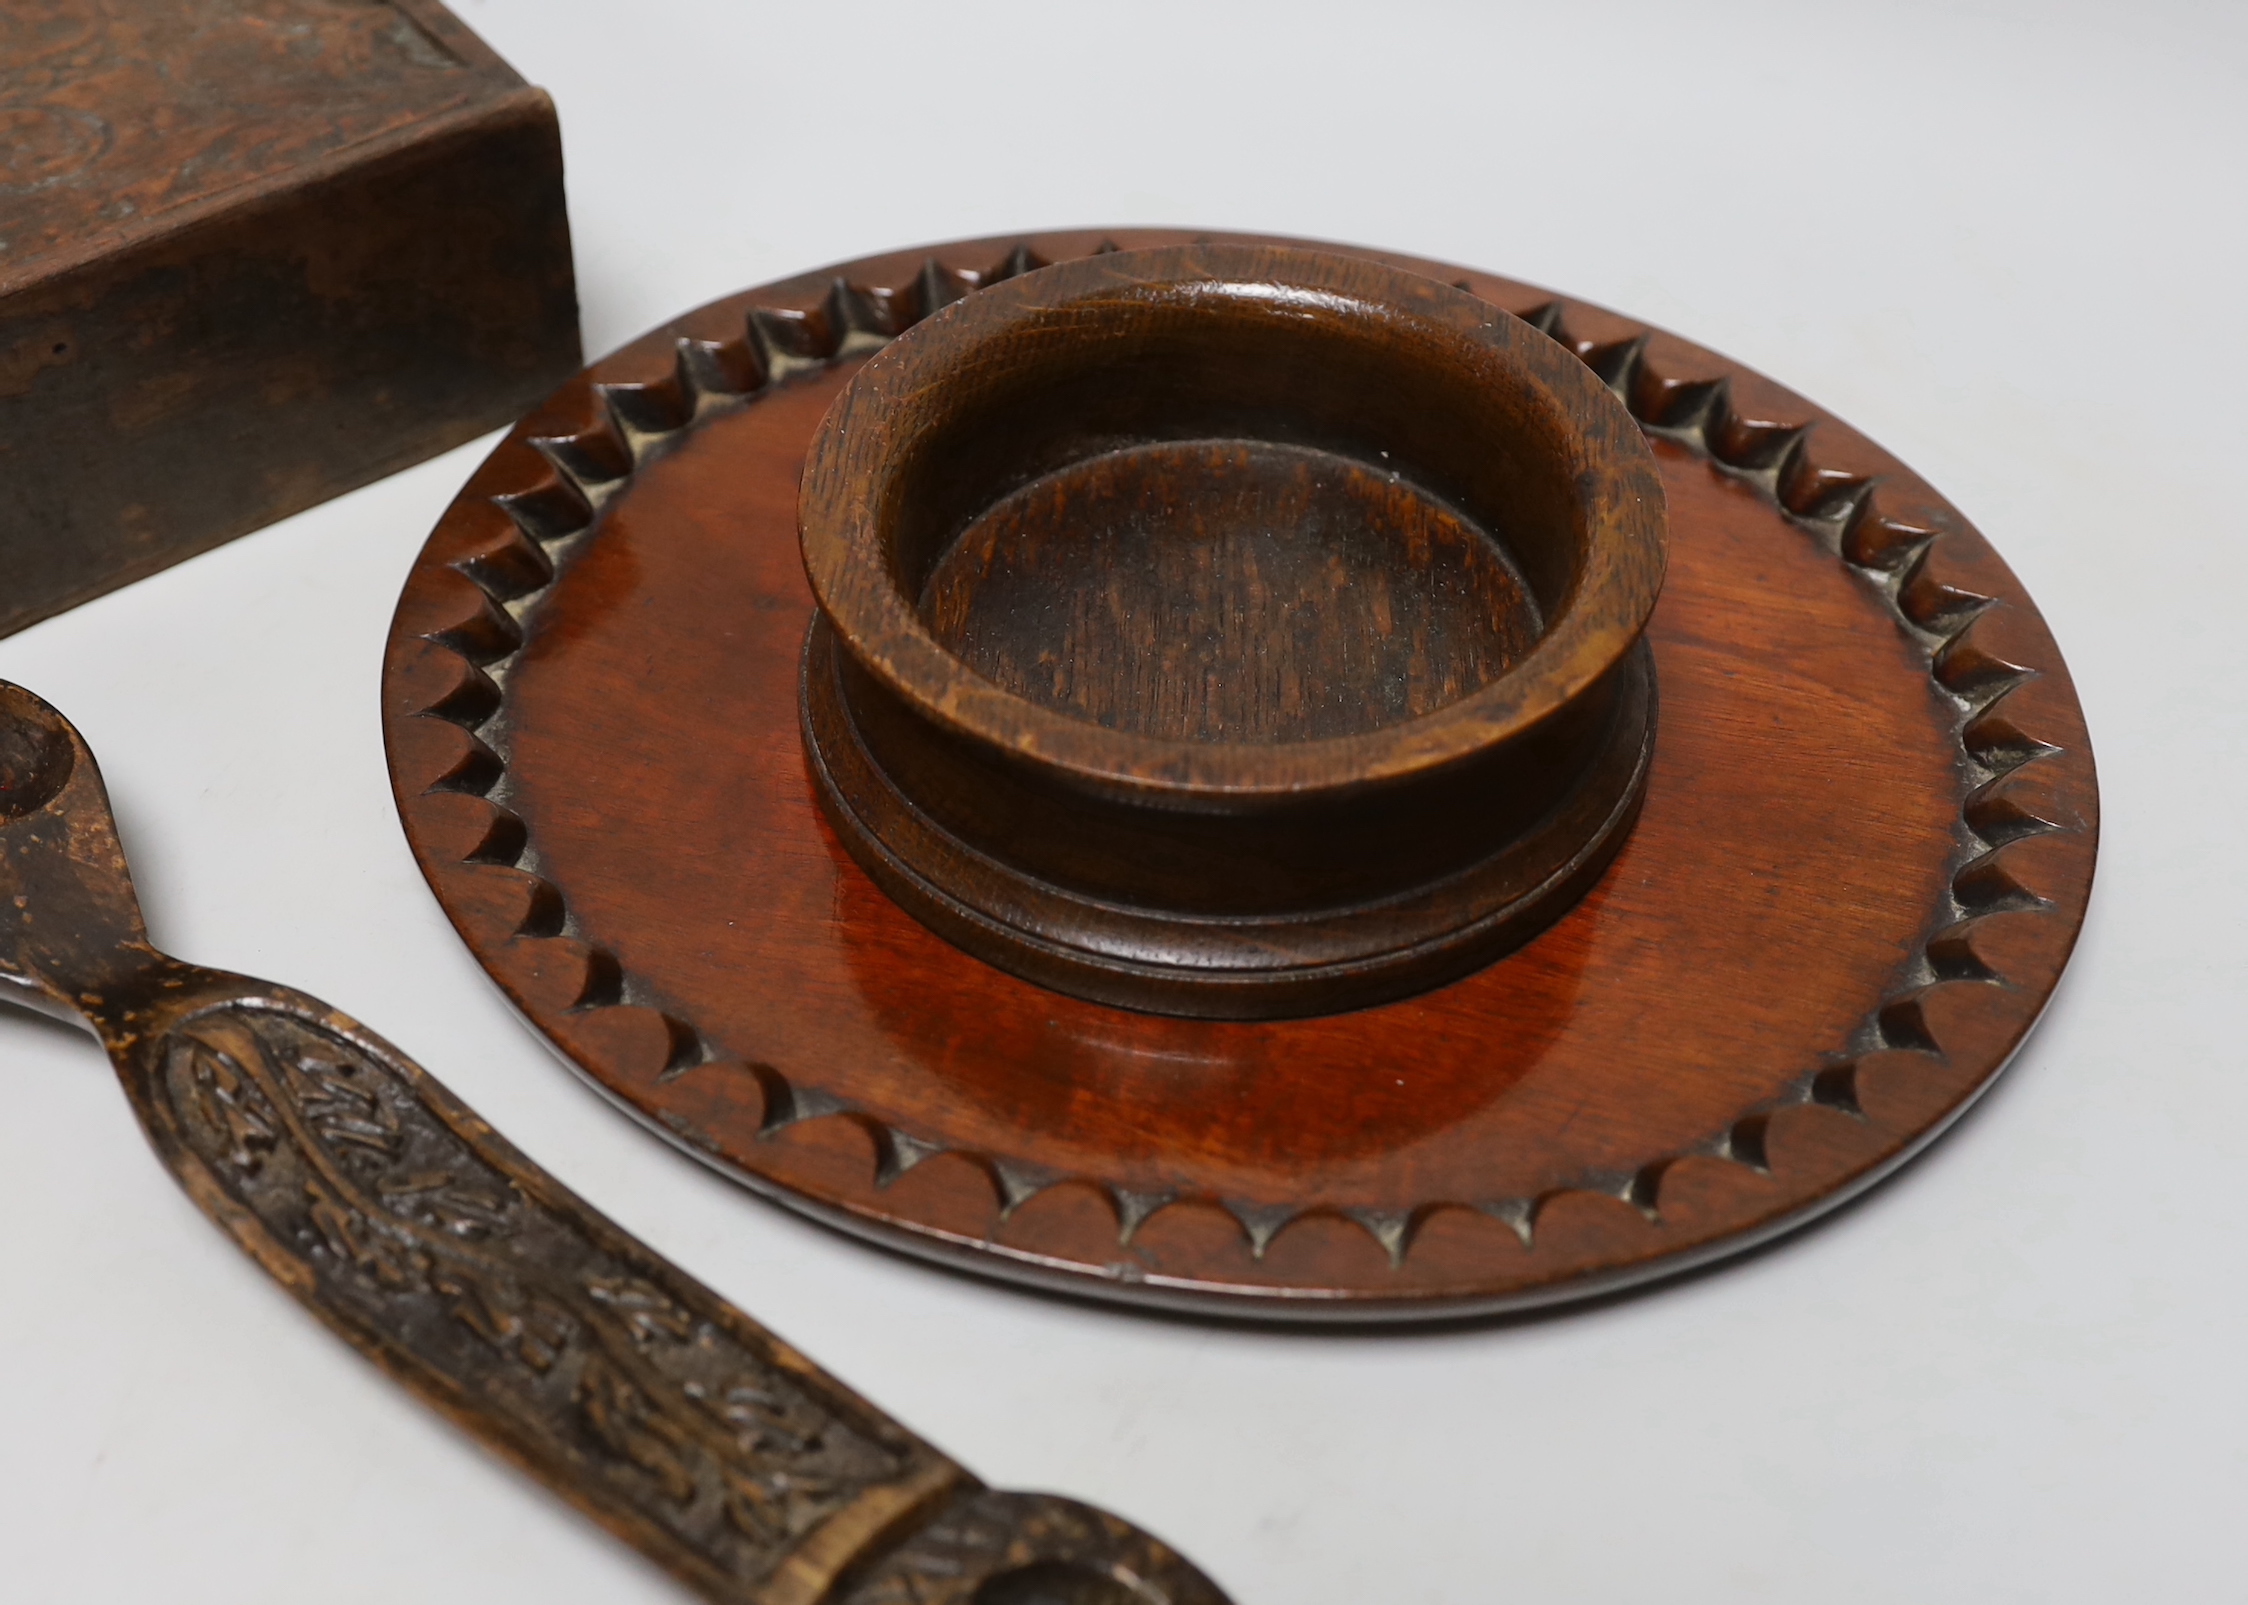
<point x="1101" y="590"/>
<point x="1331" y="578"/>
<point x="1865" y="852"/>
<point x="252" y="256"/>
<point x="479" y="1282"/>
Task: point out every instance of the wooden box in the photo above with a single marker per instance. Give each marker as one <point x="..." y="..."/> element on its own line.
<point x="254" y="253"/>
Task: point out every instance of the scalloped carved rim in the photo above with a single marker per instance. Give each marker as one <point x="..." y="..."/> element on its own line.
<point x="1898" y="558"/>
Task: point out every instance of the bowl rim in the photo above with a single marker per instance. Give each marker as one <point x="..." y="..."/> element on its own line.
<point x="880" y="630"/>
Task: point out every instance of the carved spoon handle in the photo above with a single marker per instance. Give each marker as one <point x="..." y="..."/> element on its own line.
<point x="479" y="1281"/>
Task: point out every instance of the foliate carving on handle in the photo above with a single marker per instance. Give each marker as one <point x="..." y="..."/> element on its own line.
<point x="404" y="1223"/>
<point x="993" y="1548"/>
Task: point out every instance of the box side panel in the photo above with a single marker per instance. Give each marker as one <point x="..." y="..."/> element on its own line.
<point x="160" y="401"/>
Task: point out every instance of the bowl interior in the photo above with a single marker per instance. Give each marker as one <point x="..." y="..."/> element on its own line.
<point x="1236" y="512"/>
<point x="1230" y="590"/>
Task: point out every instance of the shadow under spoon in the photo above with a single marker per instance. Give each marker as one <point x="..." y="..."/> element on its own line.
<point x="478" y="1281"/>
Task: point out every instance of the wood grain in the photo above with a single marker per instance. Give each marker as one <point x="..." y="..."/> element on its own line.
<point x="251" y="256"/>
<point x="1235" y="590"/>
<point x="1864" y="856"/>
<point x="1349" y="697"/>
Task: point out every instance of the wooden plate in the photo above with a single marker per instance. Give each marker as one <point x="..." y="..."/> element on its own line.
<point x="1864" y="858"/>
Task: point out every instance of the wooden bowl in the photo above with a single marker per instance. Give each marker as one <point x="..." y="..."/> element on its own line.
<point x="1230" y="631"/>
<point x="1865" y="851"/>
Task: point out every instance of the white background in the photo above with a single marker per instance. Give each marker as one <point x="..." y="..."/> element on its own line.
<point x="2005" y="239"/>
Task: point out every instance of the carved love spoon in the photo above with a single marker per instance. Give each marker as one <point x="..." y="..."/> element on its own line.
<point x="480" y="1282"/>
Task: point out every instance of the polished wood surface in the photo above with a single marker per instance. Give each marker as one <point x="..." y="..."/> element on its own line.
<point x="1864" y="854"/>
<point x="1230" y="590"/>
<point x="1330" y="578"/>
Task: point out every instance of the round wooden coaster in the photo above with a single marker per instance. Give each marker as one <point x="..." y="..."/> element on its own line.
<point x="1865" y="852"/>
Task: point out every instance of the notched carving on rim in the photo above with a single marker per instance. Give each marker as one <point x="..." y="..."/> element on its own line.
<point x="1900" y="560"/>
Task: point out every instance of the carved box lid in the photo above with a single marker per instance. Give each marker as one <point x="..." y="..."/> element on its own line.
<point x="122" y="117"/>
